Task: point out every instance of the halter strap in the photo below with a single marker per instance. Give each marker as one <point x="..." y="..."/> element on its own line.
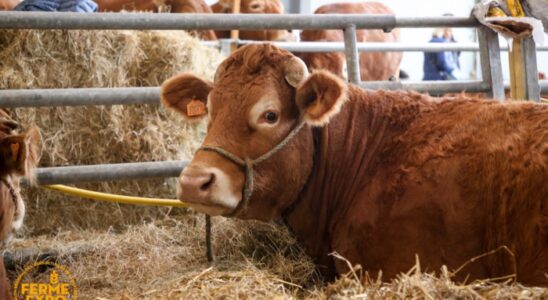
<point x="12" y="191"/>
<point x="248" y="165"/>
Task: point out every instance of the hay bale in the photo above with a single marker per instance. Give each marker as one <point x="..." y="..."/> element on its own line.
<point x="102" y="134"/>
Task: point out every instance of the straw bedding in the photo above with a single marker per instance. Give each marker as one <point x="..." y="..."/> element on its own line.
<point x="125" y="252"/>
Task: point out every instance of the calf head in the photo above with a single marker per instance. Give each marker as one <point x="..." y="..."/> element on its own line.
<point x="19" y="154"/>
<point x="259" y="96"/>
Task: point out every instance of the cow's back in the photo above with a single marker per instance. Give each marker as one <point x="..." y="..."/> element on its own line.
<point x="462" y="178"/>
<point x="447" y="180"/>
<point x="373" y="65"/>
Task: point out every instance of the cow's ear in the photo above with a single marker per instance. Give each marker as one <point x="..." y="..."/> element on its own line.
<point x="19" y="154"/>
<point x="320" y="97"/>
<point x="186" y="94"/>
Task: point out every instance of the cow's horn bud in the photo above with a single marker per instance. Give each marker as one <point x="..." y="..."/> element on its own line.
<point x="295" y="71"/>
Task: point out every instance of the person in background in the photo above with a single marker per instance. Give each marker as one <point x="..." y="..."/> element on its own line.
<point x="442" y="65"/>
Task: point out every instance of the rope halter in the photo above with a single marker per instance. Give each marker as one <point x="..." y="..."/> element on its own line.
<point x="248" y="165"/>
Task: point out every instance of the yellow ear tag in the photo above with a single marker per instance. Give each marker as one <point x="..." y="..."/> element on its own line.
<point x="195" y="108"/>
<point x="14" y="151"/>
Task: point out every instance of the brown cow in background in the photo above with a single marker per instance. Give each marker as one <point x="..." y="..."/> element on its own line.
<point x="377" y="176"/>
<point x="8" y="4"/>
<point x="373" y="65"/>
<point x="253" y="7"/>
<point x="18" y="156"/>
<point x="175" y="6"/>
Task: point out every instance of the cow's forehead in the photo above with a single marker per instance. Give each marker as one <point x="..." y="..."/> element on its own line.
<point x="247" y="91"/>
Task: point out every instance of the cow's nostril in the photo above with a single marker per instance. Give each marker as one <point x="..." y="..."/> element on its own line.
<point x="209" y="183"/>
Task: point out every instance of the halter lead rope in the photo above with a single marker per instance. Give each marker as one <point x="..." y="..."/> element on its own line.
<point x="247" y="164"/>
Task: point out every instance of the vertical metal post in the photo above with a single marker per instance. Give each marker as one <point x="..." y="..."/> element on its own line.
<point x="491" y="67"/>
<point x="298" y="6"/>
<point x="226" y="46"/>
<point x="351" y="51"/>
<point x="529" y="58"/>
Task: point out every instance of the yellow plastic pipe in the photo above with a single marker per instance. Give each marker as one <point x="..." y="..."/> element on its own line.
<point x="115" y="198"/>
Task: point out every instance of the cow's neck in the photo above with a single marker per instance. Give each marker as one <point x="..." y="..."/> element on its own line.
<point x="345" y="153"/>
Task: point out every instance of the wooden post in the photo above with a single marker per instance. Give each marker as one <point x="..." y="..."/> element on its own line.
<point x="234" y="34"/>
<point x="517" y="72"/>
<point x="523" y="70"/>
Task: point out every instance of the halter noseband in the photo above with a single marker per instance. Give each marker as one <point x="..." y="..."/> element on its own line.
<point x="248" y="165"/>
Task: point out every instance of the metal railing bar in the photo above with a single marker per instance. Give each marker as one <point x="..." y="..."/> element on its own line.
<point x="174" y="21"/>
<point x="543" y="86"/>
<point x="435" y="87"/>
<point x="79" y="97"/>
<point x="108" y="172"/>
<point x="151" y="95"/>
<point x="371" y="47"/>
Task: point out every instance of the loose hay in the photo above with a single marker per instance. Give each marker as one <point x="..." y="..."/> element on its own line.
<point x="102" y="134"/>
<point x="166" y="260"/>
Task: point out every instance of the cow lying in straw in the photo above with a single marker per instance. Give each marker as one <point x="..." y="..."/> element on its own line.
<point x="376" y="176"/>
<point x="18" y="155"/>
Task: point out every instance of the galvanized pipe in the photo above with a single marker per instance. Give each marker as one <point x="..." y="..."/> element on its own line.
<point x="371" y="47"/>
<point x="109" y="172"/>
<point x="543" y="86"/>
<point x="434" y="87"/>
<point x="79" y="97"/>
<point x="352" y="57"/>
<point x="69" y="20"/>
<point x="491" y="67"/>
<point x="151" y="95"/>
<point x="175" y="21"/>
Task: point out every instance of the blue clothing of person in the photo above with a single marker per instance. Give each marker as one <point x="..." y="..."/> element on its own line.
<point x="440" y="65"/>
<point x="85" y="6"/>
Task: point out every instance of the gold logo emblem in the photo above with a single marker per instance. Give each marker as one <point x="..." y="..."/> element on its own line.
<point x="55" y="283"/>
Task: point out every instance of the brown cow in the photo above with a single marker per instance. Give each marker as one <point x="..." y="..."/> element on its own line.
<point x="176" y="6"/>
<point x="377" y="176"/>
<point x="8" y="4"/>
<point x="253" y="7"/>
<point x="18" y="155"/>
<point x="373" y="65"/>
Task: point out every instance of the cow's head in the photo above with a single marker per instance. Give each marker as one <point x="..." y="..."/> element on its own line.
<point x="19" y="151"/>
<point x="259" y="95"/>
<point x="255" y="7"/>
<point x="250" y="7"/>
<point x="19" y="154"/>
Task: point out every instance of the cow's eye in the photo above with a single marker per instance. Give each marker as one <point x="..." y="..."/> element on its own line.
<point x="271" y="117"/>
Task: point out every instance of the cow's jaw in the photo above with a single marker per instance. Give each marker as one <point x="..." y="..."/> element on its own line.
<point x="213" y="197"/>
